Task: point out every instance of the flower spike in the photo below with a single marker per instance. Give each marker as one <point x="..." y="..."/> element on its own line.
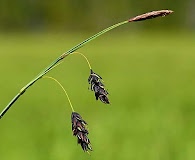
<point x="150" y="15"/>
<point x="97" y="86"/>
<point x="79" y="130"/>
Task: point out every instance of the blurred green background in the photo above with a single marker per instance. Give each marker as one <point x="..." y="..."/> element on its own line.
<point x="148" y="68"/>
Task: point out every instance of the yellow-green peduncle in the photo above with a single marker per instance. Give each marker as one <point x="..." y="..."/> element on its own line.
<point x="62" y="89"/>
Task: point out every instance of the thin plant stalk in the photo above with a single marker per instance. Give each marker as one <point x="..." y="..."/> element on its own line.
<point x="145" y="16"/>
<point x="62" y="89"/>
<point x="85" y="59"/>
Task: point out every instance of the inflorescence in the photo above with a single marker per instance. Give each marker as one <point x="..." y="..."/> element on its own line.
<point x="98" y="87"/>
<point x="79" y="130"/>
<point x="96" y="83"/>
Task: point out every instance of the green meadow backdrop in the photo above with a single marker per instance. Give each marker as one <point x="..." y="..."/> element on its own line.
<point x="150" y="78"/>
<point x="147" y="67"/>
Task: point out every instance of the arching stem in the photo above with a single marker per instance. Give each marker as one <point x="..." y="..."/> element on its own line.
<point x="62" y="89"/>
<point x="84" y="57"/>
<point x="145" y="16"/>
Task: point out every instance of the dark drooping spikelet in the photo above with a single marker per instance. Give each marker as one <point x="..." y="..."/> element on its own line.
<point x="79" y="130"/>
<point x="98" y="87"/>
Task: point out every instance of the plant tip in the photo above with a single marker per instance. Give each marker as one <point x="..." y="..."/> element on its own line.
<point x="150" y="15"/>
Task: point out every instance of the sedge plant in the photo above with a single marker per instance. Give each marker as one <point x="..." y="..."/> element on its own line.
<point x="96" y="83"/>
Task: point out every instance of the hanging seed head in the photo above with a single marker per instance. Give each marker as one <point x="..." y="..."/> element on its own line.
<point x="150" y="15"/>
<point x="79" y="130"/>
<point x="98" y="87"/>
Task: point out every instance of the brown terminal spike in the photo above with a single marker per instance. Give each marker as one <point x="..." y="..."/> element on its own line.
<point x="150" y="15"/>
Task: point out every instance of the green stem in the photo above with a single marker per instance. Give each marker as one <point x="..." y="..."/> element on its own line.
<point x="82" y="44"/>
<point x="145" y="16"/>
<point x="54" y="63"/>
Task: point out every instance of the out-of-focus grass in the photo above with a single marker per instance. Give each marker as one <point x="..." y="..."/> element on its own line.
<point x="151" y="81"/>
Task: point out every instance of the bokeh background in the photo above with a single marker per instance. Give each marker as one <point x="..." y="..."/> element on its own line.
<point x="148" y="68"/>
